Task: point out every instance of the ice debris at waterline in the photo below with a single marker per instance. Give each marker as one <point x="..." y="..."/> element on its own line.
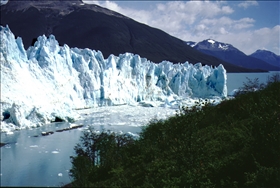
<point x="47" y="81"/>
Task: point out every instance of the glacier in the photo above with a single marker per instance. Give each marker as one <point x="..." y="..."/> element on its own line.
<point x="48" y="82"/>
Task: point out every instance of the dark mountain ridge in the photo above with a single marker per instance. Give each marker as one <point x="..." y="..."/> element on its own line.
<point x="90" y="26"/>
<point x="230" y="54"/>
<point x="267" y="56"/>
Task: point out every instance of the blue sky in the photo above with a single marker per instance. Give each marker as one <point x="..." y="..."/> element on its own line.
<point x="247" y="25"/>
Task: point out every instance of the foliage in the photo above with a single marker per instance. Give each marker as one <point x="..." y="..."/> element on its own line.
<point x="97" y="154"/>
<point x="233" y="144"/>
<point x="254" y="85"/>
<point x="273" y="78"/>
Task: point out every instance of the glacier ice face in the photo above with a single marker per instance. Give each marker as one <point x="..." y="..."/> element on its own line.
<point x="48" y="81"/>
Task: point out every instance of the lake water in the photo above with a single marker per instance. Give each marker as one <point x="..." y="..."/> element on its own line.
<point x="44" y="160"/>
<point x="34" y="160"/>
<point x="236" y="80"/>
<point x="31" y="159"/>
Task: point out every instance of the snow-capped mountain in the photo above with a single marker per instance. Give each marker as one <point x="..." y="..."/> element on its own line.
<point x="82" y="25"/>
<point x="267" y="56"/>
<point x="48" y="81"/>
<point x="232" y="55"/>
<point x="190" y="43"/>
<point x="213" y="45"/>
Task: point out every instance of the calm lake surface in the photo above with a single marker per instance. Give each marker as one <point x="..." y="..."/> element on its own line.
<point x="236" y="80"/>
<point x="44" y="161"/>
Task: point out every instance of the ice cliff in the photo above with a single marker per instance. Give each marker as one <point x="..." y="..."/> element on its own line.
<point x="47" y="81"/>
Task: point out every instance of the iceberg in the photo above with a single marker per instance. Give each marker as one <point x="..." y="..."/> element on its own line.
<point x="47" y="81"/>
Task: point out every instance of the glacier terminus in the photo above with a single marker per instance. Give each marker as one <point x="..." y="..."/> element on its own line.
<point x="48" y="81"/>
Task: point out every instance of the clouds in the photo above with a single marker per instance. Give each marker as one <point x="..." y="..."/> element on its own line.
<point x="215" y="27"/>
<point x="251" y="40"/>
<point x="3" y="2"/>
<point x="140" y="15"/>
<point x="199" y="20"/>
<point x="247" y="4"/>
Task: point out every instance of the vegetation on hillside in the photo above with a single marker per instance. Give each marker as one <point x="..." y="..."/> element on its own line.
<point x="233" y="144"/>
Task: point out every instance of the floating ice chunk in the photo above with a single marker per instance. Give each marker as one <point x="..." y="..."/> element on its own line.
<point x="55" y="152"/>
<point x="60" y="174"/>
<point x="234" y="92"/>
<point x="147" y="104"/>
<point x="33" y="146"/>
<point x="133" y="134"/>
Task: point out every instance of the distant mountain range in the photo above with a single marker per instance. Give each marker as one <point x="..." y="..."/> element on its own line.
<point x="267" y="56"/>
<point x="261" y="59"/>
<point x="91" y="26"/>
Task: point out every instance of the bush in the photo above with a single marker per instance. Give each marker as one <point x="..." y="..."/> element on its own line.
<point x="254" y="85"/>
<point x="273" y="78"/>
<point x="98" y="154"/>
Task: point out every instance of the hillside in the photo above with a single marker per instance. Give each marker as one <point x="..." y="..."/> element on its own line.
<point x="91" y="26"/>
<point x="268" y="57"/>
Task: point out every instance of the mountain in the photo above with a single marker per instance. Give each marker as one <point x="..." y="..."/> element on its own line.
<point x="267" y="56"/>
<point x="47" y="81"/>
<point x="230" y="54"/>
<point x="190" y="43"/>
<point x="91" y="26"/>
